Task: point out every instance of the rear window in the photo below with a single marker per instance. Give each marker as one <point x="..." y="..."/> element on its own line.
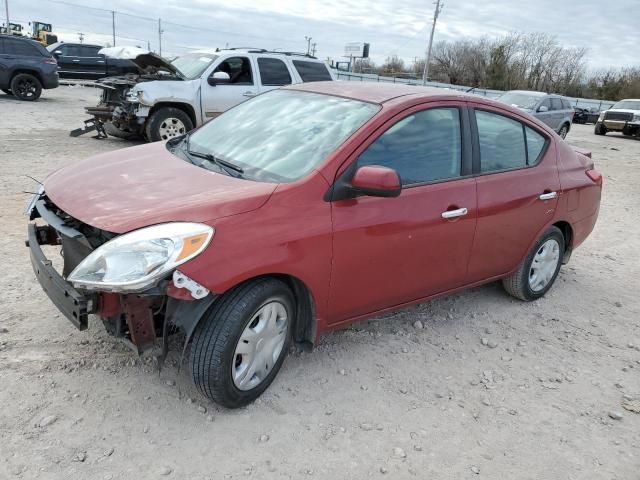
<point x="273" y="72"/>
<point x="20" y="47"/>
<point x="312" y="71"/>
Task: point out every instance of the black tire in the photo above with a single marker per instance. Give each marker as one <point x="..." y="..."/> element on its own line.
<point x="162" y="119"/>
<point x="564" y="130"/>
<point x="600" y="129"/>
<point x="25" y="86"/>
<point x="114" y="131"/>
<point x="517" y="284"/>
<point x="218" y="333"/>
<point x="7" y="91"/>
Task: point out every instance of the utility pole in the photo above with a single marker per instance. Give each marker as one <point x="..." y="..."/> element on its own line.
<point x="308" y="39"/>
<point x="313" y="49"/>
<point x="425" y="73"/>
<point x="160" y="36"/>
<point x="113" y="26"/>
<point x="6" y="4"/>
<point x="81" y="36"/>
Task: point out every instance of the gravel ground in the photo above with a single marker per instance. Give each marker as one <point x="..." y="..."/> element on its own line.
<point x="476" y="385"/>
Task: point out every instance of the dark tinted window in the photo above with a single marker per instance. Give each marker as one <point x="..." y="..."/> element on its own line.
<point x="312" y="71"/>
<point x="89" y="51"/>
<point x="502" y="144"/>
<point x="556" y="104"/>
<point x="273" y="72"/>
<point x="239" y="70"/>
<point x="423" y="147"/>
<point x="71" y="51"/>
<point x="20" y="47"/>
<point x="566" y="104"/>
<point x="535" y="145"/>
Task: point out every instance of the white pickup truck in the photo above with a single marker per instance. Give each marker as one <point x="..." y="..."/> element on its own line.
<point x="169" y="98"/>
<point x="623" y="117"/>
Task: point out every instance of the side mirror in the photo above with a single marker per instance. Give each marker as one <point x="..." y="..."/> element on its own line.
<point x="376" y="181"/>
<point x="57" y="53"/>
<point x="543" y="108"/>
<point x="218" y="77"/>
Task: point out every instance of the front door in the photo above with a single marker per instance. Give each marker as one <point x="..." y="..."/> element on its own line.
<point x="242" y="85"/>
<point x="389" y="251"/>
<point x="518" y="185"/>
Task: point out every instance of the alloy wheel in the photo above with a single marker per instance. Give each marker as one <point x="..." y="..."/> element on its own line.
<point x="171" y="127"/>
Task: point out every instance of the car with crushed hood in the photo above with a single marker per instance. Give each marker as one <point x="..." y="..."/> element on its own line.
<point x="170" y="97"/>
<point x="262" y="229"/>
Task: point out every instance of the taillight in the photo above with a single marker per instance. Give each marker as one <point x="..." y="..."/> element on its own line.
<point x="595" y="176"/>
<point x="51" y="61"/>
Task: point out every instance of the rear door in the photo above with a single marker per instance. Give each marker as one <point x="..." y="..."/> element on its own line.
<point x="559" y="113"/>
<point x="547" y="116"/>
<point x="5" y="65"/>
<point x="91" y="62"/>
<point x="517" y="184"/>
<point x="273" y="72"/>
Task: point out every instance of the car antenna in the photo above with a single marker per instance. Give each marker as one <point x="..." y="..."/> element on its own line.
<point x="37" y="181"/>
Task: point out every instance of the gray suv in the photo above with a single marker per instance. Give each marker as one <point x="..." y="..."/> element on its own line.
<point x="554" y="110"/>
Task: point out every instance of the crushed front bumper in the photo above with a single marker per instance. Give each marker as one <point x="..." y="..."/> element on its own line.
<point x="74" y="305"/>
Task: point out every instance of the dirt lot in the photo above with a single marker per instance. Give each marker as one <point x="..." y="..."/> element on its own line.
<point x="392" y="397"/>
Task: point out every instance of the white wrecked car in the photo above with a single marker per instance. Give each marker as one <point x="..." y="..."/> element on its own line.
<point x="169" y="98"/>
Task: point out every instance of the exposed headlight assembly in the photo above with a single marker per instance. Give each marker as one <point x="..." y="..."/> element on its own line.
<point x="135" y="261"/>
<point x="636" y="118"/>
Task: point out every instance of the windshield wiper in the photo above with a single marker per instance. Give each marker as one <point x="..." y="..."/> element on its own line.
<point x="224" y="164"/>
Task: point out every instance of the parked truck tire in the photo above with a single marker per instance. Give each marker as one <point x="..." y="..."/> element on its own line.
<point x="25" y="86"/>
<point x="114" y="131"/>
<point x="600" y="129"/>
<point x="166" y="123"/>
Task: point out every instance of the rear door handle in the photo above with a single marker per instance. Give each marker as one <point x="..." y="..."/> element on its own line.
<point x="548" y="196"/>
<point x="460" y="212"/>
<point x="248" y="94"/>
<point x="75" y="60"/>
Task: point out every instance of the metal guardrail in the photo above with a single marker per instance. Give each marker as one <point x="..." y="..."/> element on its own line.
<point x="485" y="92"/>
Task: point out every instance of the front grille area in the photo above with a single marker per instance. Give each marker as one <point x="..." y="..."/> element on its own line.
<point x="619" y="116"/>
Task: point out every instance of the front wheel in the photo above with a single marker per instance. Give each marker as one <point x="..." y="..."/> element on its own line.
<point x="166" y="123"/>
<point x="600" y="129"/>
<point x="242" y="341"/>
<point x="539" y="270"/>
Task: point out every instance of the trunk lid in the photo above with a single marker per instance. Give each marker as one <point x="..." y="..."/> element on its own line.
<point x="140" y="186"/>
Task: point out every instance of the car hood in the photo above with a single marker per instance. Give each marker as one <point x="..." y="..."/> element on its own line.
<point x="624" y="110"/>
<point x="140" y="186"/>
<point x="143" y="59"/>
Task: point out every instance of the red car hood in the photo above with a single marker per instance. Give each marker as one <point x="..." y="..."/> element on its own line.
<point x="135" y="187"/>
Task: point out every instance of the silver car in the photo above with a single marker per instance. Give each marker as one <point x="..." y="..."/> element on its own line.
<point x="554" y="110"/>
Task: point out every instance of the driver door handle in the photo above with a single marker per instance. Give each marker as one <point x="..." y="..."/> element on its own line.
<point x="248" y="94"/>
<point x="548" y="196"/>
<point x="460" y="212"/>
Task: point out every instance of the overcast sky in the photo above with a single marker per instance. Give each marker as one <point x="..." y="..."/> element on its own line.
<point x="610" y="29"/>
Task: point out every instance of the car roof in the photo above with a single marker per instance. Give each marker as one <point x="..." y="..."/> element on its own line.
<point x="374" y="92"/>
<point x="257" y="51"/>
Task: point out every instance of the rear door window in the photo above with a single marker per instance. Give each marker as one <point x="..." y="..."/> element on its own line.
<point x="17" y="47"/>
<point x="502" y="144"/>
<point x="89" y="51"/>
<point x="535" y="145"/>
<point x="312" y="71"/>
<point x="556" y="104"/>
<point x="273" y="72"/>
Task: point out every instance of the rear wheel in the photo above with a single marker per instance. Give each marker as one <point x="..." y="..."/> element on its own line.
<point x="563" y="131"/>
<point x="7" y="91"/>
<point x="600" y="129"/>
<point x="537" y="273"/>
<point x="241" y="343"/>
<point x="25" y="86"/>
<point x="166" y="123"/>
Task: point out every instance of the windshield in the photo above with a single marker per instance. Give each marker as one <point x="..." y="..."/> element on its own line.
<point x="628" y="104"/>
<point x="282" y="135"/>
<point x="192" y="65"/>
<point x="520" y="100"/>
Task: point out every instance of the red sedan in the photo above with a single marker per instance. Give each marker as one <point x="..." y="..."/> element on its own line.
<point x="303" y="210"/>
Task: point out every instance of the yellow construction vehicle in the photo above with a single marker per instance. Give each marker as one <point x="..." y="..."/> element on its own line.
<point x="41" y="32"/>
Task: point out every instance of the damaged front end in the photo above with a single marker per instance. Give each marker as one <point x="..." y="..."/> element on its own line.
<point x="120" y="111"/>
<point x="142" y="315"/>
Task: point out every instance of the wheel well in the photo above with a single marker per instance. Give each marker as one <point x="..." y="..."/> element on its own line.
<point x="22" y="70"/>
<point x="185" y="107"/>
<point x="567" y="233"/>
